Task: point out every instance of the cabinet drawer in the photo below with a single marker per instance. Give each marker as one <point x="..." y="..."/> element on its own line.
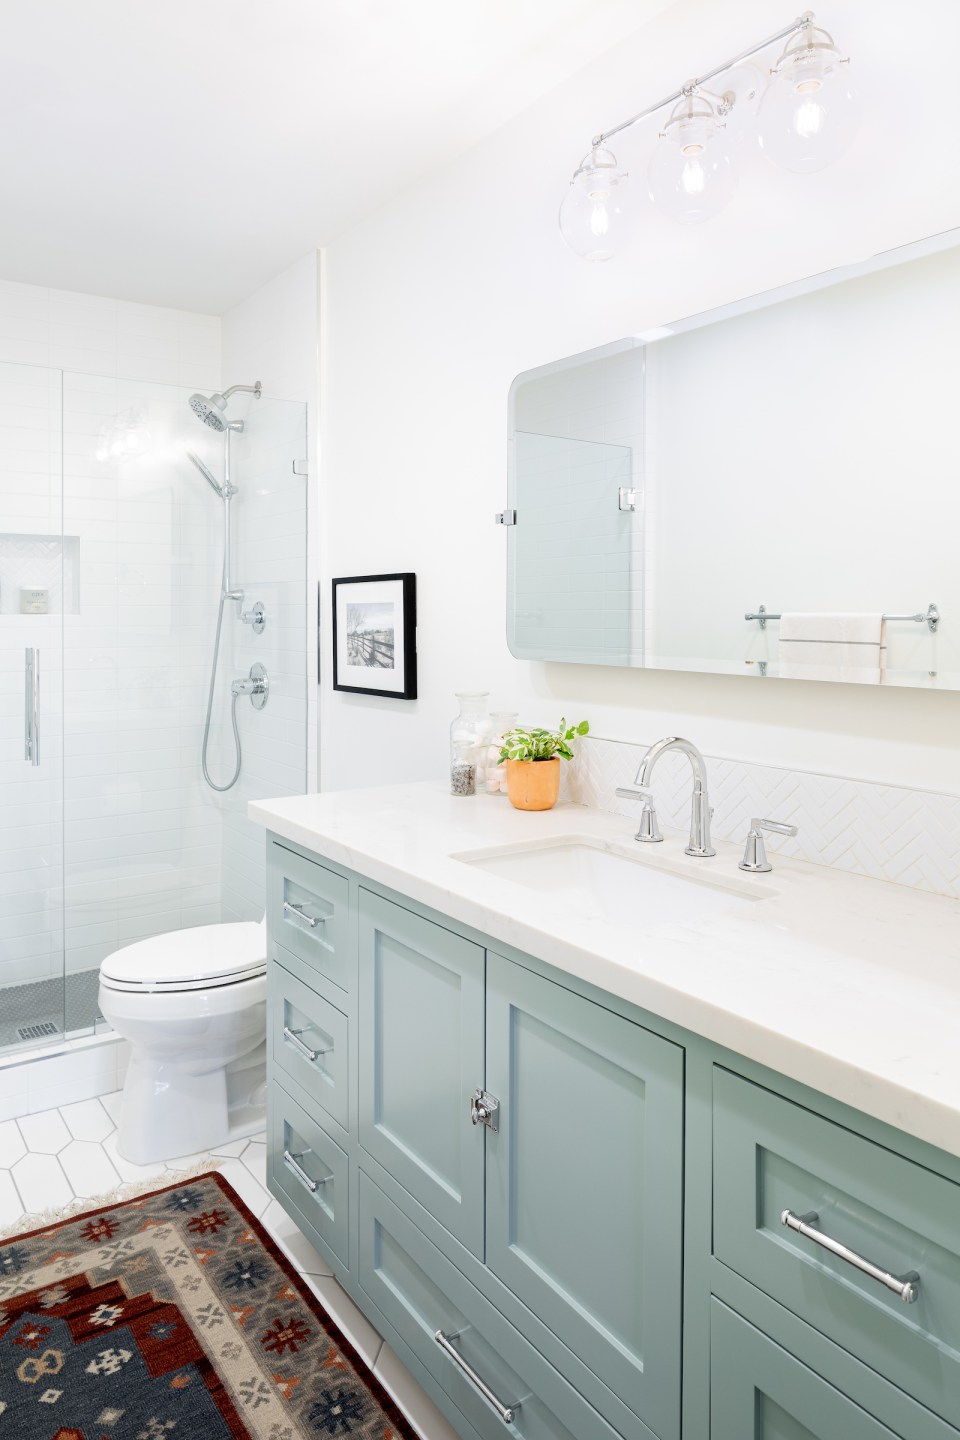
<point x="308" y="913"/>
<point x="309" y="1171"/>
<point x="772" y="1156"/>
<point x="759" y="1391"/>
<point x="420" y="1292"/>
<point x="308" y="1042"/>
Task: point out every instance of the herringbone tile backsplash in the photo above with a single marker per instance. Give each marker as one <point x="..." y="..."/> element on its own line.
<point x="910" y="837"/>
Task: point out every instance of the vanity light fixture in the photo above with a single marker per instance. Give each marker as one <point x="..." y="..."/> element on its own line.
<point x="691" y="174"/>
<point x="807" y="118"/>
<point x="808" y="114"/>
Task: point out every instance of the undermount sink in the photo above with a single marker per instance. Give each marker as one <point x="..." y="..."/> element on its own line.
<point x="606" y="884"/>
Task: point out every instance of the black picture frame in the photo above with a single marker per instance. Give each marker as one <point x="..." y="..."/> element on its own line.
<point x="385" y="649"/>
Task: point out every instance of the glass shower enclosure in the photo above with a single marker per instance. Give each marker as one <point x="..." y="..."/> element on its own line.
<point x="111" y="556"/>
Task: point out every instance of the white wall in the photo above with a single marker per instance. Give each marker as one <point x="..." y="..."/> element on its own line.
<point x="437" y="301"/>
<point x="272" y="337"/>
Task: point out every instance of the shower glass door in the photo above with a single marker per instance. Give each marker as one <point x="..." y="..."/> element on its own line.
<point x="38" y="586"/>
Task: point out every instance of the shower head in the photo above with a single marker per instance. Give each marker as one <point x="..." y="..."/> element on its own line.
<point x="210" y="408"/>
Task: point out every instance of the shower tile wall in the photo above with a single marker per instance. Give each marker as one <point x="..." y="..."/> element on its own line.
<point x="142" y="837"/>
<point x="141" y="831"/>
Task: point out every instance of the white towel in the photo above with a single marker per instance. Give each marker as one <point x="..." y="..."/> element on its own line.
<point x="833" y="647"/>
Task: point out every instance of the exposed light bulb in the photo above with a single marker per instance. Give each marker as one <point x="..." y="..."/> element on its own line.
<point x="598" y="210"/>
<point x="808" y="114"/>
<point x="691" y="176"/>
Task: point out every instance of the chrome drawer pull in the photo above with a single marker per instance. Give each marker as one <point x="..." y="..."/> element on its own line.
<point x="312" y="1185"/>
<point x="906" y="1286"/>
<point x="312" y="920"/>
<point x="507" y="1413"/>
<point x="294" y="1037"/>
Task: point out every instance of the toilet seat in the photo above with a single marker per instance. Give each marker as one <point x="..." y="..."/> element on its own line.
<point x="203" y="958"/>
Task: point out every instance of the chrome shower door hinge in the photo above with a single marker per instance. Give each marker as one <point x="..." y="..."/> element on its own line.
<point x="505" y="517"/>
<point x="485" y="1109"/>
<point x="301" y="467"/>
<point x="627" y="498"/>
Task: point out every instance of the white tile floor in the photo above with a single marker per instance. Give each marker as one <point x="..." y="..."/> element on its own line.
<point x="55" y="1156"/>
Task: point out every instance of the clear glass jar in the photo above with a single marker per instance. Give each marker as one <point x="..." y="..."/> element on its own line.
<point x="469" y="737"/>
<point x="495" y="774"/>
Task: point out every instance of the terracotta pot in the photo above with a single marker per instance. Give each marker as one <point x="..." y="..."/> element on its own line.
<point x="533" y="784"/>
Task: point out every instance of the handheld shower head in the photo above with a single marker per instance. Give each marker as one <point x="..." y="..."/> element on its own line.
<point x="207" y="475"/>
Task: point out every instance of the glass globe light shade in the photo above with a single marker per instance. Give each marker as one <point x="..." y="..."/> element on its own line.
<point x="691" y="176"/>
<point x="598" y="211"/>
<point x="808" y="115"/>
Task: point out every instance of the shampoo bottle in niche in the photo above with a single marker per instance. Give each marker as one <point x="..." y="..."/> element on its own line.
<point x="469" y="736"/>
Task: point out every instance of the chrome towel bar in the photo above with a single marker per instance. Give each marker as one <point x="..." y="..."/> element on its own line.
<point x="931" y="616"/>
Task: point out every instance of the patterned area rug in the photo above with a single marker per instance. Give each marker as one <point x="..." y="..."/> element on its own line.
<point x="174" y="1317"/>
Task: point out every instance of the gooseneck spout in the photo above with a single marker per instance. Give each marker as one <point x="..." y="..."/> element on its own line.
<point x="700" y="811"/>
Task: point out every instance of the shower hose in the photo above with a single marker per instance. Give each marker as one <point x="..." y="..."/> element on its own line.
<point x="233" y="712"/>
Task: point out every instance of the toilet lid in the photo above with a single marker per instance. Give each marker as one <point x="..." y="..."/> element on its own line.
<point x="195" y="959"/>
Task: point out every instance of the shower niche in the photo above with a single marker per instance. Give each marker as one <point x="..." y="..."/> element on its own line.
<point x="39" y="574"/>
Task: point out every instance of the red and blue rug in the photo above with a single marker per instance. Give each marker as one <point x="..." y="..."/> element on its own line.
<point x="174" y="1316"/>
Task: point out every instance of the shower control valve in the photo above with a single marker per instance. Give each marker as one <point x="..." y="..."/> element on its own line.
<point x="257" y="617"/>
<point x="256" y="685"/>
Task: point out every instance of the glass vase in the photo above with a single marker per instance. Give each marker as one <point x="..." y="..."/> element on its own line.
<point x="495" y="773"/>
<point x="469" y="737"/>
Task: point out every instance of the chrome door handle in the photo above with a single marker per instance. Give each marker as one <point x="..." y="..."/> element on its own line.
<point x="31" y="715"/>
<point x="907" y="1287"/>
<point x="294" y="1037"/>
<point x="312" y="1185"/>
<point x="312" y="920"/>
<point x="507" y="1413"/>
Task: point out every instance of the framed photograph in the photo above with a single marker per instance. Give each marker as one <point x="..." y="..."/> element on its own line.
<point x="375" y="635"/>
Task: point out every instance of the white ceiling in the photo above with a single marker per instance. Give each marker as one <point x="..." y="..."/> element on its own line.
<point x="180" y="152"/>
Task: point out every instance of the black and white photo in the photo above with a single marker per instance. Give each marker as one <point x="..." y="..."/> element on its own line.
<point x="374" y="635"/>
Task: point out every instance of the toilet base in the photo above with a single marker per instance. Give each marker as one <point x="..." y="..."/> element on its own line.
<point x="167" y="1111"/>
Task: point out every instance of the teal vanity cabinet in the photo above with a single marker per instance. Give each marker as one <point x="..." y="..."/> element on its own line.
<point x="570" y="1188"/>
<point x="575" y="1221"/>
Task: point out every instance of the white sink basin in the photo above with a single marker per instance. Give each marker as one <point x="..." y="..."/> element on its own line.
<point x="613" y="885"/>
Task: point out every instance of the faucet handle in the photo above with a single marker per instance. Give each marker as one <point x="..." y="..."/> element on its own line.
<point x="648" y="830"/>
<point x="755" y="853"/>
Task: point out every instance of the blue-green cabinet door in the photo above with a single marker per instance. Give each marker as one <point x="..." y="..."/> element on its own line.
<point x="421" y="1058"/>
<point x="759" y="1391"/>
<point x="585" y="1182"/>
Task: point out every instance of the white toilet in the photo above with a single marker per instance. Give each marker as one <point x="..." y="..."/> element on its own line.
<point x="193" y="1005"/>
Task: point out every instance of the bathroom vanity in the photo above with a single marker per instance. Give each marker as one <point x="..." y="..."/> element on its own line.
<point x="611" y="1143"/>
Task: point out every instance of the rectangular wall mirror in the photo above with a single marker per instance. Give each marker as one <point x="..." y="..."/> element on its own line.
<point x="748" y="491"/>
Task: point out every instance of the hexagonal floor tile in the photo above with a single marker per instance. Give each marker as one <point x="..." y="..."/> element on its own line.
<point x="45" y="1132"/>
<point x="42" y="1183"/>
<point x="87" y="1120"/>
<point x="11" y="1206"/>
<point x="88" y="1169"/>
<point x="11" y="1144"/>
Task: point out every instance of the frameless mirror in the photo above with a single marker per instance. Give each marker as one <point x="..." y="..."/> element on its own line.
<point x="768" y="489"/>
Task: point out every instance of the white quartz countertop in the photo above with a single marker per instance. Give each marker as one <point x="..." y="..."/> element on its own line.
<point x="849" y="985"/>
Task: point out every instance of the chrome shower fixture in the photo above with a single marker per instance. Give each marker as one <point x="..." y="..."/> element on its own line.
<point x="210" y="478"/>
<point x="805" y="117"/>
<point x="210" y="408"/>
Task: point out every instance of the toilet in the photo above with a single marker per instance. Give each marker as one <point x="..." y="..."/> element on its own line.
<point x="192" y="1004"/>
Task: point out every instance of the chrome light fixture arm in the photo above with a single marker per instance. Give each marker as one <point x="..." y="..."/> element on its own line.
<point x="802" y="23"/>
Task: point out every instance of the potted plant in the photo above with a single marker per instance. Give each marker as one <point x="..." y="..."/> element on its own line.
<point x="532" y="758"/>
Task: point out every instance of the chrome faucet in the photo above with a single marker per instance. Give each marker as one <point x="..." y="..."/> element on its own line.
<point x="700" y="811"/>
